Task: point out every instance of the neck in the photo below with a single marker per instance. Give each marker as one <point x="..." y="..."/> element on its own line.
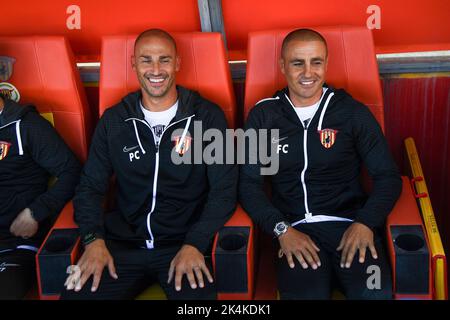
<point x="158" y="104"/>
<point x="2" y="104"/>
<point x="304" y="102"/>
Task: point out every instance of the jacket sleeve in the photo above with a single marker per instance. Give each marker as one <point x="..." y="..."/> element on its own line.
<point x="94" y="183"/>
<point x="222" y="194"/>
<point x="386" y="182"/>
<point x="252" y="195"/>
<point x="50" y="152"/>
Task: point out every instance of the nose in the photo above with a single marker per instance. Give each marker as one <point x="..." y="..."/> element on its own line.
<point x="155" y="68"/>
<point x="307" y="72"/>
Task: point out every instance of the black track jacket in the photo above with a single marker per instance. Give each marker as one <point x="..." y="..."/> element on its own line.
<point x="320" y="165"/>
<point x="159" y="203"/>
<point x="30" y="151"/>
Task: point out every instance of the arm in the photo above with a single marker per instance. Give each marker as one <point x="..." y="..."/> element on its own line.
<point x="89" y="211"/>
<point x="220" y="204"/>
<point x="222" y="198"/>
<point x="255" y="201"/>
<point x="251" y="186"/>
<point x="373" y="149"/>
<point x="374" y="152"/>
<point x="51" y="153"/>
<point x="93" y="186"/>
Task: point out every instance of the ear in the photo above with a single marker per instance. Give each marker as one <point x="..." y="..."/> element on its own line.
<point x="133" y="62"/>
<point x="177" y="63"/>
<point x="282" y="65"/>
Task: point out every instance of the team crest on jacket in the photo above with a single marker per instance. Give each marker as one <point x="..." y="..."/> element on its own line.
<point x="9" y="91"/>
<point x="4" y="148"/>
<point x="327" y="137"/>
<point x="184" y="146"/>
<point x="6" y="67"/>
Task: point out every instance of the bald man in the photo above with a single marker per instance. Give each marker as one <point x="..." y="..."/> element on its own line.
<point x="166" y="214"/>
<point x="319" y="216"/>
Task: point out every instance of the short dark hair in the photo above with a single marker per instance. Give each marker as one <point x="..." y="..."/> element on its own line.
<point x="303" y="35"/>
<point x="155" y="32"/>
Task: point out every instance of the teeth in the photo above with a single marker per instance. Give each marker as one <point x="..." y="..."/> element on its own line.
<point x="307" y="82"/>
<point x="156" y="80"/>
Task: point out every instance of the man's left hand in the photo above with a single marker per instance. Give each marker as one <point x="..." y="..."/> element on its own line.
<point x="24" y="225"/>
<point x="357" y="237"/>
<point x="191" y="262"/>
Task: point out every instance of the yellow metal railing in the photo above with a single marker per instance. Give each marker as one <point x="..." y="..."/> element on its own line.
<point x="439" y="262"/>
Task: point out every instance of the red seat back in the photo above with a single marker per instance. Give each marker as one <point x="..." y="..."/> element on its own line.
<point x="204" y="68"/>
<point x="352" y="66"/>
<point x="45" y="74"/>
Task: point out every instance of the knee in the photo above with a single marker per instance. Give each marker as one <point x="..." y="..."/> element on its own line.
<point x="384" y="292"/>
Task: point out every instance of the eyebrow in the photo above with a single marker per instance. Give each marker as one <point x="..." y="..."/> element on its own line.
<point x="149" y="57"/>
<point x="303" y="60"/>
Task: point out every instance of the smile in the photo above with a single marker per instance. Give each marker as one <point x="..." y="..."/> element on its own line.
<point x="307" y="83"/>
<point x="153" y="80"/>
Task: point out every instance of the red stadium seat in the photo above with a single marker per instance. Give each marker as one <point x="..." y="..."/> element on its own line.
<point x="352" y="65"/>
<point x="204" y="68"/>
<point x="45" y="74"/>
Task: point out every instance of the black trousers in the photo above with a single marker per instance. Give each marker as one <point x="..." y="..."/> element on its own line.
<point x="137" y="269"/>
<point x="17" y="273"/>
<point x="357" y="282"/>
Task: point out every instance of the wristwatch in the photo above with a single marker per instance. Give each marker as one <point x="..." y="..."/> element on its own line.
<point x="281" y="228"/>
<point x="90" y="237"/>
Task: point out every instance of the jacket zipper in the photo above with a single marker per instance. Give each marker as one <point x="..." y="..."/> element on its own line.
<point x="308" y="214"/>
<point x="151" y="243"/>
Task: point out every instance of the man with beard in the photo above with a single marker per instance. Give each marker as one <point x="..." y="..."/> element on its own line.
<point x="319" y="214"/>
<point x="166" y="214"/>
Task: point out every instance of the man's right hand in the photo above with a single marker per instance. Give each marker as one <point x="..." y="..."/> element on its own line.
<point x="93" y="261"/>
<point x="294" y="243"/>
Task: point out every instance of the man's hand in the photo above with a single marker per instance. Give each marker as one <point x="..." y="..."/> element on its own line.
<point x="94" y="259"/>
<point x="357" y="237"/>
<point x="24" y="225"/>
<point x="191" y="262"/>
<point x="300" y="245"/>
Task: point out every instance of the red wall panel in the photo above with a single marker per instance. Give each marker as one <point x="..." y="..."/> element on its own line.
<point x="406" y="25"/>
<point x="420" y="108"/>
<point x="98" y="18"/>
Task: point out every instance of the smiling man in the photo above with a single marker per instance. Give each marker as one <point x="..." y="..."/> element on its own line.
<point x="319" y="214"/>
<point x="166" y="214"/>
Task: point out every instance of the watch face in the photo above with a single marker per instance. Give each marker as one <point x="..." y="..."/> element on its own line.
<point x="281" y="227"/>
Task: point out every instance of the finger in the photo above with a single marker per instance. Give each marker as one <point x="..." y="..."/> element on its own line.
<point x="171" y="270"/>
<point x="191" y="279"/>
<point x="199" y="275"/>
<point x="313" y="244"/>
<point x="350" y="256"/>
<point x="345" y="248"/>
<point x="207" y="273"/>
<point x="97" y="277"/>
<point x="112" y="269"/>
<point x="280" y="253"/>
<point x="13" y="228"/>
<point x="362" y="254"/>
<point x="178" y="277"/>
<point x="84" y="277"/>
<point x="300" y="259"/>
<point x="308" y="257"/>
<point x="342" y="243"/>
<point x="315" y="256"/>
<point x="290" y="260"/>
<point x="373" y="251"/>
